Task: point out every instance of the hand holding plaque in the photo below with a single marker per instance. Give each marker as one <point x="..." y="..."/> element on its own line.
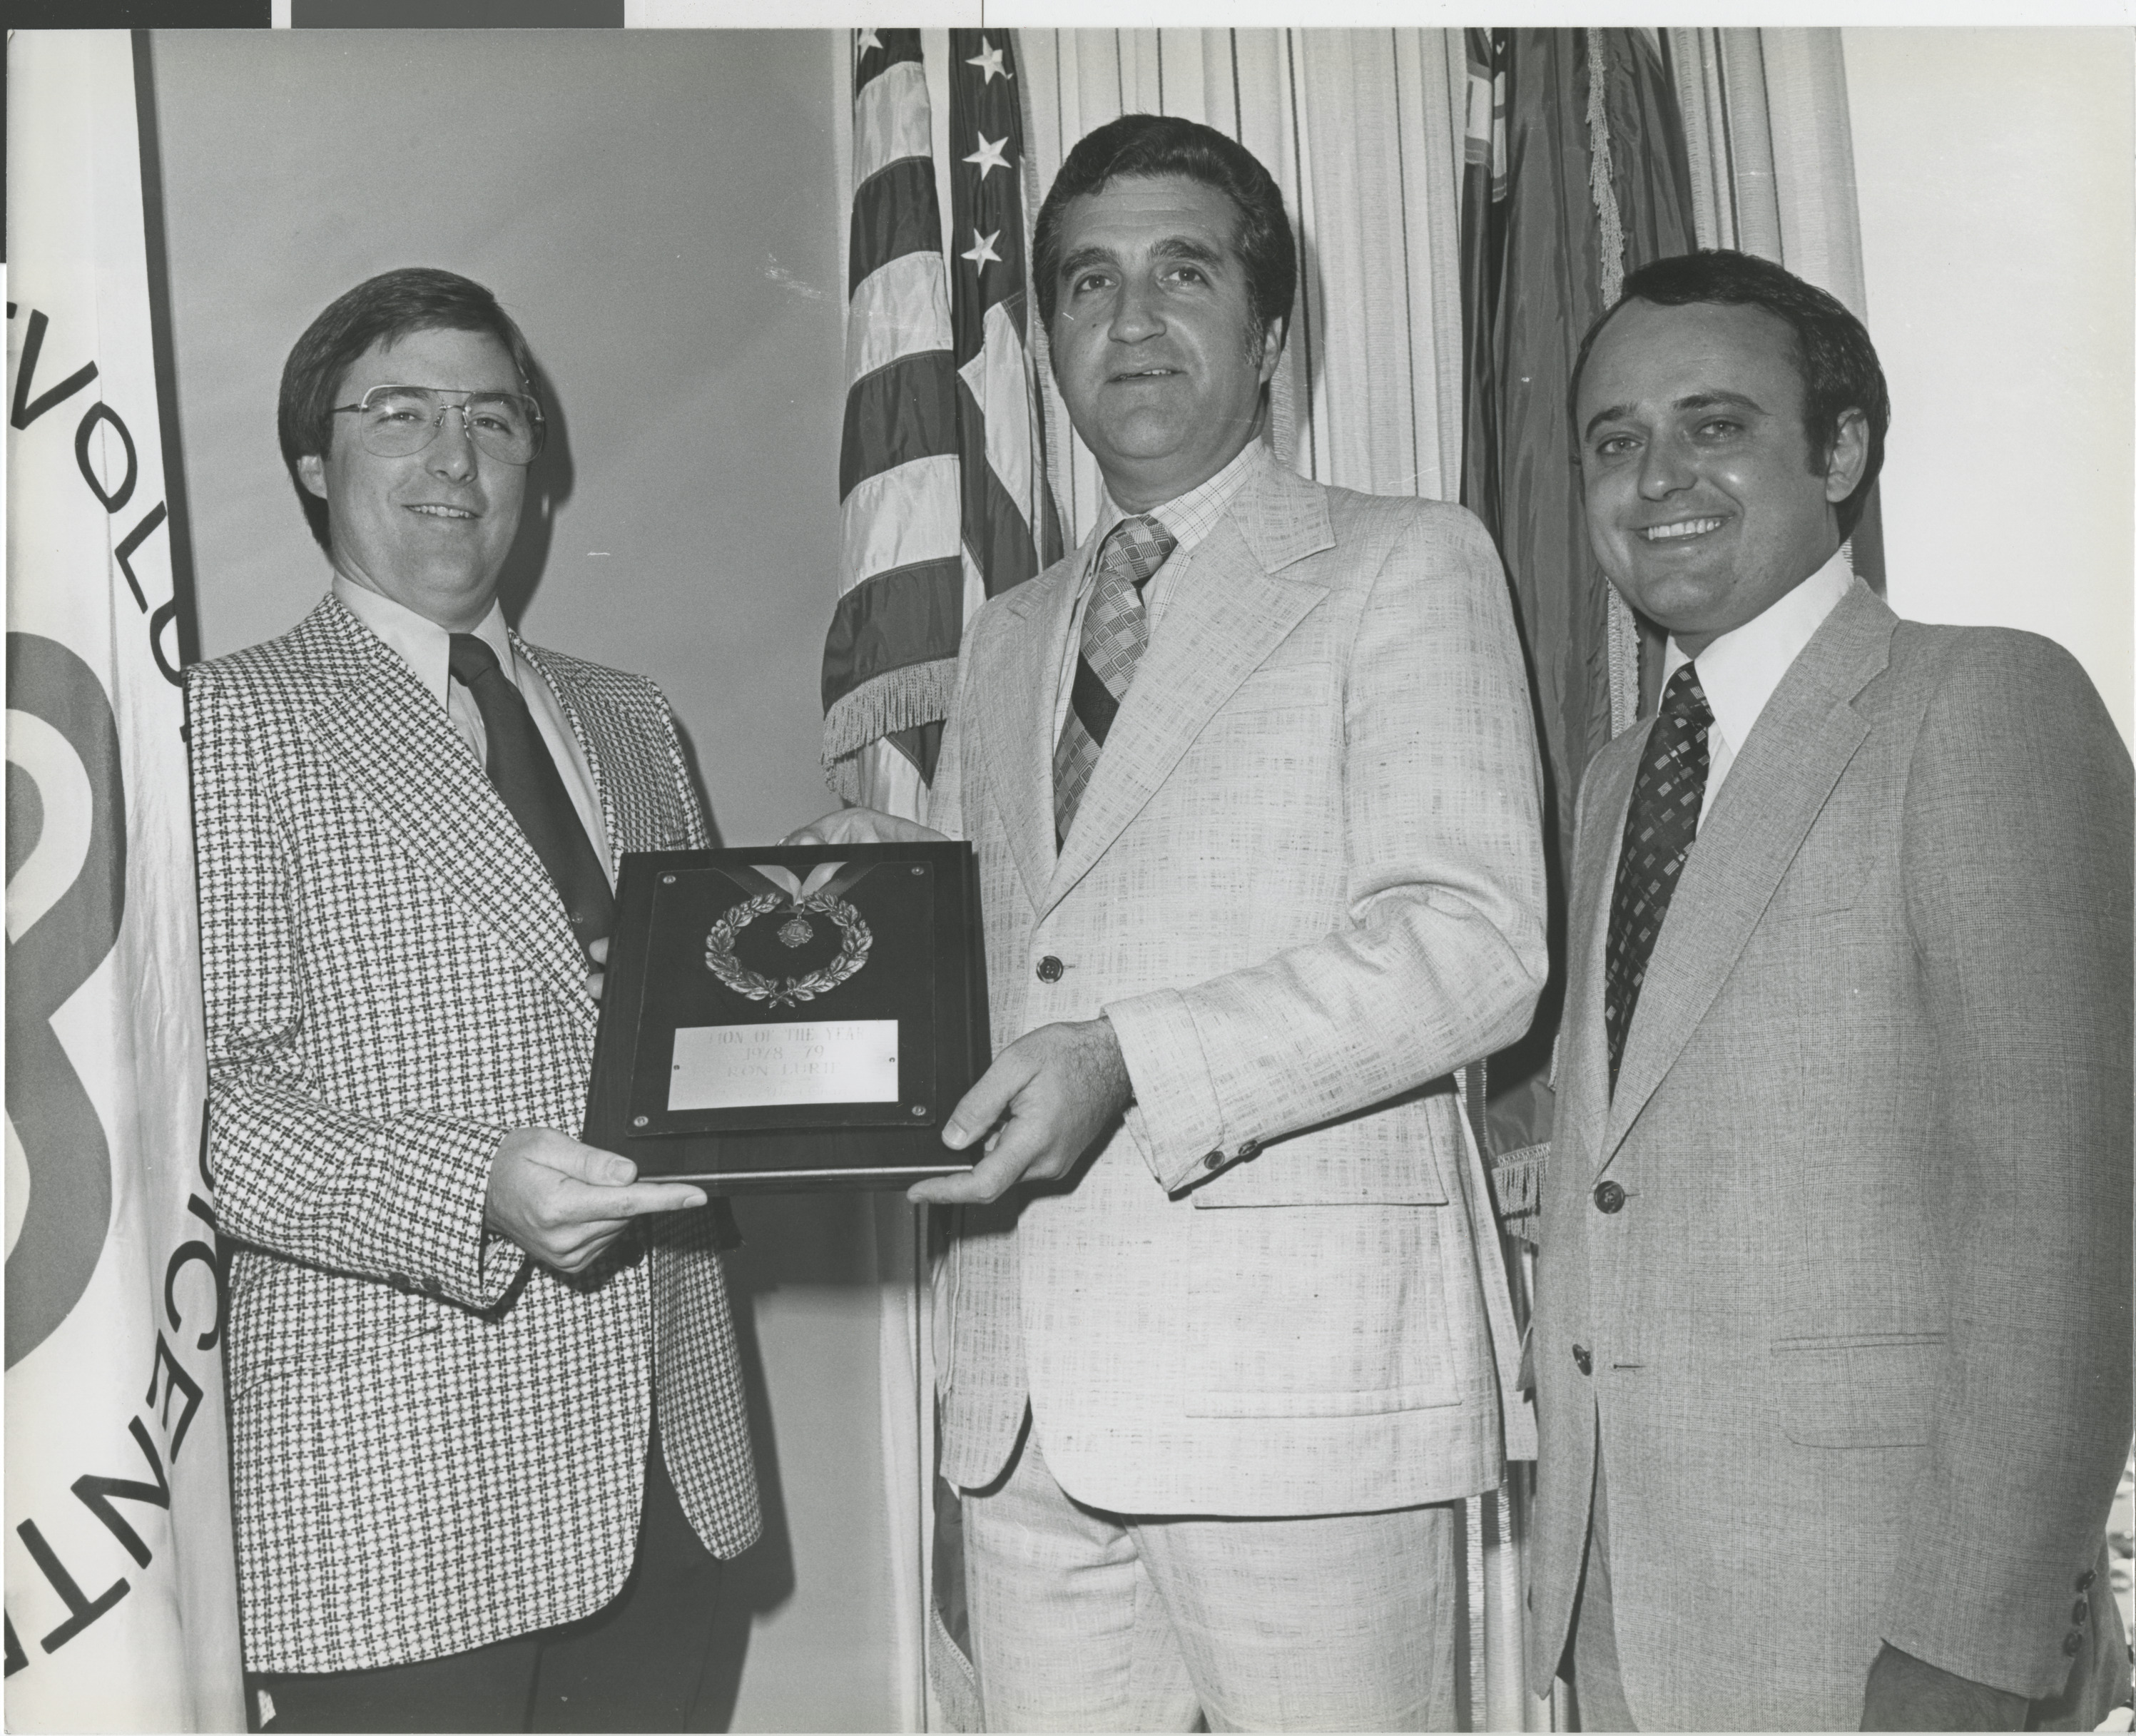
<point x="791" y="1017"/>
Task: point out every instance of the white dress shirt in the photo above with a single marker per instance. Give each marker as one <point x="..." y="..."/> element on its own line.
<point x="426" y="648"/>
<point x="1188" y="518"/>
<point x="1741" y="668"/>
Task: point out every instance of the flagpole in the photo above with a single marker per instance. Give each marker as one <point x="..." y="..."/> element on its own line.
<point x="184" y="597"/>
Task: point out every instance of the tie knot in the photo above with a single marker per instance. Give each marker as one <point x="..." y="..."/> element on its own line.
<point x="471" y="659"/>
<point x="1137" y="547"/>
<point x="1685" y="699"/>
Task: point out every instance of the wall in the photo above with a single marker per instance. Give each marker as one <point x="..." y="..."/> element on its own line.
<point x="658" y="212"/>
<point x="1994" y="172"/>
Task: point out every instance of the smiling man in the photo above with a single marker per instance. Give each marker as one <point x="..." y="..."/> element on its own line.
<point x="1832" y="1328"/>
<point x="487" y="1423"/>
<point x="1256" y="804"/>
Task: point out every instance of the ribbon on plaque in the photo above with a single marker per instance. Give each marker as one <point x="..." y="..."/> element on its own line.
<point x="770" y="888"/>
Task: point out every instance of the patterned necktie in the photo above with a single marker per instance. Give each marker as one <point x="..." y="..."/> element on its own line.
<point x="1658" y="833"/>
<point x="1115" y="633"/>
<point x="526" y="777"/>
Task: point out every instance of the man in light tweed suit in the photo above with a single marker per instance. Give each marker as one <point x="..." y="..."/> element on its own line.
<point x="1832" y="1330"/>
<point x="1222" y="1327"/>
<point x="488" y="1427"/>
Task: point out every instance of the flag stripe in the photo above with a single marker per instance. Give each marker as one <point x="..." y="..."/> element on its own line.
<point x="905" y="412"/>
<point x="901" y="516"/>
<point x="894" y="213"/>
<point x="888" y="124"/>
<point x="998" y="381"/>
<point x="993" y="523"/>
<point x="896" y="617"/>
<point x="899" y="310"/>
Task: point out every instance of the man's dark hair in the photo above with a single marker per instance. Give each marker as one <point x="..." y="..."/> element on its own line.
<point x="381" y="310"/>
<point x="1834" y="356"/>
<point x="1142" y="146"/>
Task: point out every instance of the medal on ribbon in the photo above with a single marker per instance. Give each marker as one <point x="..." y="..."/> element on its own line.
<point x="773" y="888"/>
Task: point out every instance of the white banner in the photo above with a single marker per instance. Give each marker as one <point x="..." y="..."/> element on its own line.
<point x="121" y="1598"/>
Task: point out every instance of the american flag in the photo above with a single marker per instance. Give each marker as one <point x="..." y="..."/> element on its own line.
<point x="942" y="467"/>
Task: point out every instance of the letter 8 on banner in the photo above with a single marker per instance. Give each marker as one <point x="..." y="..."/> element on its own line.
<point x="120" y="1589"/>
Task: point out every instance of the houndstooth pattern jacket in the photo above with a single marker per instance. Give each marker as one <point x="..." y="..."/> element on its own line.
<point x="436" y="1442"/>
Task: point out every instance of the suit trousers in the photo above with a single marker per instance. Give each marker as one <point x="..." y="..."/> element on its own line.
<point x="638" y="1664"/>
<point x="1095" y="1621"/>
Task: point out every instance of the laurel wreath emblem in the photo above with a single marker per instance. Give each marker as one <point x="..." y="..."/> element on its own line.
<point x="855" y="941"/>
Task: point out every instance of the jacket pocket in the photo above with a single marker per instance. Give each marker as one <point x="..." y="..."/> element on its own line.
<point x="1860" y="1389"/>
<point x="1332" y="1313"/>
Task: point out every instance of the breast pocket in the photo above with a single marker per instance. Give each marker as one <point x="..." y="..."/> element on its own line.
<point x="1860" y="1389"/>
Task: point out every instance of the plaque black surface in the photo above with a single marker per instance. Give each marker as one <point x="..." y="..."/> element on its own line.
<point x="913" y="912"/>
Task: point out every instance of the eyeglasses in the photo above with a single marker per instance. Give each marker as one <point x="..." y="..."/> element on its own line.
<point x="398" y="421"/>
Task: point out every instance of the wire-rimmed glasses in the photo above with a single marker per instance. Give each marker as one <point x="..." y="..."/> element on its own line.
<point x="398" y="421"/>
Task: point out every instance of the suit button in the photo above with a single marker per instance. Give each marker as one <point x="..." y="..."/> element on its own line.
<point x="2083" y="1580"/>
<point x="402" y="1282"/>
<point x="1608" y="1197"/>
<point x="1249" y="1149"/>
<point x="2079" y="1611"/>
<point x="1050" y="969"/>
<point x="2072" y="1644"/>
<point x="1213" y="1160"/>
<point x="1584" y="1359"/>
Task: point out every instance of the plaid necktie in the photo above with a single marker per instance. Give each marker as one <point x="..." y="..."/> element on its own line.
<point x="526" y="777"/>
<point x="1659" y="830"/>
<point x="1115" y="633"/>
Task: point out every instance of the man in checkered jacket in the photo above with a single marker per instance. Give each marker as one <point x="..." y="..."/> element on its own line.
<point x="487" y="1419"/>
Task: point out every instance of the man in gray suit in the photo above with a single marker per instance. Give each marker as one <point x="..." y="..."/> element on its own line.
<point x="1832" y="1328"/>
<point x="1256" y="801"/>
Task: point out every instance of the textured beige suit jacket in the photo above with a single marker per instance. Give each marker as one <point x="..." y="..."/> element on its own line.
<point x="1304" y="884"/>
<point x="436" y="1443"/>
<point x="1859" y="1331"/>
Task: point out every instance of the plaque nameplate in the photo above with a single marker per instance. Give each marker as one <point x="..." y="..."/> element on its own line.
<point x="762" y="1066"/>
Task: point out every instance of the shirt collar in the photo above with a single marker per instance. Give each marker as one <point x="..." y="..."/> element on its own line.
<point x="419" y="642"/>
<point x="1189" y="518"/>
<point x="1739" y="671"/>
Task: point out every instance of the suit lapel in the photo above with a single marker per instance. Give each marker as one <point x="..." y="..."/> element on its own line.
<point x="392" y="742"/>
<point x="1801" y="743"/>
<point x="1230" y="611"/>
<point x="1583" y="1063"/>
<point x="1020" y="674"/>
<point x="601" y="732"/>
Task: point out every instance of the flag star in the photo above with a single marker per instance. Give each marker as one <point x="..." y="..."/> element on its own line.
<point x="989" y="156"/>
<point x="988" y="60"/>
<point x="866" y="39"/>
<point x="983" y="250"/>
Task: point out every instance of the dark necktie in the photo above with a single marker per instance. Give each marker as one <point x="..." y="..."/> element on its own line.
<point x="1658" y="833"/>
<point x="1115" y="633"/>
<point x="526" y="777"/>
